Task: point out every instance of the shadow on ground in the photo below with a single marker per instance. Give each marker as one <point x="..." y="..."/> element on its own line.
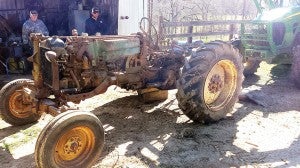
<point x="163" y="137"/>
<point x="159" y="135"/>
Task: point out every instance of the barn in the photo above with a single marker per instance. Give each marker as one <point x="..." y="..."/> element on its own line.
<point x="61" y="16"/>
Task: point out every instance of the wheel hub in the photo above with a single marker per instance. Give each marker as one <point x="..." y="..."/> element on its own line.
<point x="215" y="84"/>
<point x="73" y="145"/>
<point x="220" y="84"/>
<point x="18" y="106"/>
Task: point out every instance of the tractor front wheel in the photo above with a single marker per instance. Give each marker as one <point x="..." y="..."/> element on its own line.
<point x="15" y="107"/>
<point x="71" y="139"/>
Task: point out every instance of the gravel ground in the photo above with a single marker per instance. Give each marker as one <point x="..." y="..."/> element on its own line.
<point x="259" y="133"/>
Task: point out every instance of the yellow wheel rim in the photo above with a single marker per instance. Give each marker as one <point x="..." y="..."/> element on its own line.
<point x="18" y="106"/>
<point x="75" y="145"/>
<point x="220" y="84"/>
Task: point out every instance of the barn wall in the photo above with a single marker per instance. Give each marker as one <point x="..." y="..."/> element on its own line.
<point x="109" y="10"/>
<point x="14" y="12"/>
<point x="11" y="4"/>
<point x="55" y="13"/>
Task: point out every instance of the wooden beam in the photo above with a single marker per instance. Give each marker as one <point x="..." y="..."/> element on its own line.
<point x="197" y="34"/>
<point x="202" y="23"/>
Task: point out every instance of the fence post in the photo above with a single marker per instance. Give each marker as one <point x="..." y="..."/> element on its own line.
<point x="160" y="30"/>
<point x="190" y="31"/>
<point x="231" y="30"/>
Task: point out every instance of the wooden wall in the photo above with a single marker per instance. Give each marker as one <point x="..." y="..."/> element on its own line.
<point x="55" y="13"/>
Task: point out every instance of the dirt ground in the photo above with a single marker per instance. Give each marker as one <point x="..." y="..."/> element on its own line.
<point x="261" y="133"/>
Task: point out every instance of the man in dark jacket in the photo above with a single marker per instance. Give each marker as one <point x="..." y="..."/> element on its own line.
<point x="94" y="24"/>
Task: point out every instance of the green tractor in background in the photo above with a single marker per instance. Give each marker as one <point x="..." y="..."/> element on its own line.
<point x="272" y="36"/>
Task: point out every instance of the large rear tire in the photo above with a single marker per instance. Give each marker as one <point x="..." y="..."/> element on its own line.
<point x="295" y="72"/>
<point x="210" y="82"/>
<point x="71" y="139"/>
<point x="15" y="109"/>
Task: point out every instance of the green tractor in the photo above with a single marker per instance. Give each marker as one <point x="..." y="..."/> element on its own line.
<point x="272" y="36"/>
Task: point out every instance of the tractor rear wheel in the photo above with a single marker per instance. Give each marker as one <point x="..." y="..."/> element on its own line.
<point x="295" y="73"/>
<point x="210" y="82"/>
<point x="71" y="139"/>
<point x="15" y="109"/>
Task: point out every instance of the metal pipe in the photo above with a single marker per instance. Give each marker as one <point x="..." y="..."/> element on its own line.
<point x="98" y="90"/>
<point x="37" y="70"/>
<point x="75" y="79"/>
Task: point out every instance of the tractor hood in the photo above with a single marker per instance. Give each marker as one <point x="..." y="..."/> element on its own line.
<point x="278" y="14"/>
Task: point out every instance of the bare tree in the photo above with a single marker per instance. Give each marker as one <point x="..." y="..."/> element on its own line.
<point x="183" y="10"/>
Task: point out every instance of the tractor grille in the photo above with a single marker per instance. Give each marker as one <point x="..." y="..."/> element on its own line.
<point x="255" y="36"/>
<point x="46" y="67"/>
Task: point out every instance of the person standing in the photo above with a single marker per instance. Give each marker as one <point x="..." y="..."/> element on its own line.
<point x="33" y="25"/>
<point x="94" y="24"/>
<point x="74" y="34"/>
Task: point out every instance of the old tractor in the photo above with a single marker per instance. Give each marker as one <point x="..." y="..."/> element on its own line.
<point x="272" y="36"/>
<point x="74" y="68"/>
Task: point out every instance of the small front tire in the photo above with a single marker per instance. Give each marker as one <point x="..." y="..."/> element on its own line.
<point x="71" y="139"/>
<point x="14" y="108"/>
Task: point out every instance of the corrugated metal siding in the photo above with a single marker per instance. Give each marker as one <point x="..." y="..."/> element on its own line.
<point x="110" y="6"/>
<point x="20" y="14"/>
<point x="13" y="10"/>
<point x="6" y="5"/>
<point x="110" y="9"/>
<point x="11" y="4"/>
<point x="54" y="12"/>
<point x="20" y="4"/>
<point x="51" y="3"/>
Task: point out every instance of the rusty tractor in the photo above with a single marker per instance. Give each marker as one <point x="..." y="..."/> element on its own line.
<point x="73" y="68"/>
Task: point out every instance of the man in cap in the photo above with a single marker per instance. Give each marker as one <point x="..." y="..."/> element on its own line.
<point x="33" y="25"/>
<point x="94" y="24"/>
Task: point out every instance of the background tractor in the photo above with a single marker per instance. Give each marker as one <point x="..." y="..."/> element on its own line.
<point x="273" y="35"/>
<point x="74" y="68"/>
